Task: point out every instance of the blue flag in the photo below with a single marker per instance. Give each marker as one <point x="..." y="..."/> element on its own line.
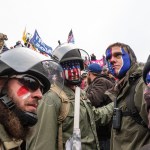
<point x="39" y="44"/>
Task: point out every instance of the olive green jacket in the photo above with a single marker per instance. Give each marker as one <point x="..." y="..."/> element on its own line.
<point x="6" y="143"/>
<point x="45" y="133"/>
<point x="132" y="136"/>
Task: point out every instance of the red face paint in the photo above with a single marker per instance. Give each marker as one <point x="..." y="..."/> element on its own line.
<point x="22" y="91"/>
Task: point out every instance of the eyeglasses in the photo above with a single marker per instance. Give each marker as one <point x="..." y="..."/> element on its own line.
<point x="29" y="82"/>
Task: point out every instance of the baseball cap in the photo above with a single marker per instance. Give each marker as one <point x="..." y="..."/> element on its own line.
<point x="95" y="68"/>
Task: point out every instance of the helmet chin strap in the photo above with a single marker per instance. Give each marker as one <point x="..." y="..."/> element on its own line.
<point x="73" y="82"/>
<point x="26" y="118"/>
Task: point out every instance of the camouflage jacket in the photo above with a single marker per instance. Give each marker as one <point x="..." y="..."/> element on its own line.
<point x="3" y="37"/>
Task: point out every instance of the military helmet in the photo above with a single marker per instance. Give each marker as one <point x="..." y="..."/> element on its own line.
<point x="25" y="61"/>
<point x="68" y="51"/>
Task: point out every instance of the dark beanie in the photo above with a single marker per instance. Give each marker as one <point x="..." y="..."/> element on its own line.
<point x="146" y="69"/>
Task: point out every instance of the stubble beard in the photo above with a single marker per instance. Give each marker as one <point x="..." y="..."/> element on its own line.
<point x="89" y="80"/>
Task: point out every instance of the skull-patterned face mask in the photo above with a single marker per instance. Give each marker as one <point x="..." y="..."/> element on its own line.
<point x="72" y="71"/>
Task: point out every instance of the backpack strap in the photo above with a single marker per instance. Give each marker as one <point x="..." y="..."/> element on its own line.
<point x="132" y="110"/>
<point x="64" y="110"/>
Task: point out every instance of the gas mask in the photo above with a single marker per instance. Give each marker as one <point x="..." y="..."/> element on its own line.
<point x="72" y="71"/>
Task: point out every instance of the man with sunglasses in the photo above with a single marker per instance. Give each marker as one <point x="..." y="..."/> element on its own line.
<point x="23" y="80"/>
<point x="129" y="129"/>
<point x="55" y="124"/>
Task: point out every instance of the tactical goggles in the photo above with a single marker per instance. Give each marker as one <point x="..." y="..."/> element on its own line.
<point x="29" y="82"/>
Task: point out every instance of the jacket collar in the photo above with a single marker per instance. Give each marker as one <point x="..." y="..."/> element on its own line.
<point x="8" y="142"/>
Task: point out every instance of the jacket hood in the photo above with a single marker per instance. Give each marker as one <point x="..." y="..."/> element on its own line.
<point x="131" y="54"/>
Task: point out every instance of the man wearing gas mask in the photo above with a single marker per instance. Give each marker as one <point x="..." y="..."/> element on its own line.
<point x="55" y="125"/>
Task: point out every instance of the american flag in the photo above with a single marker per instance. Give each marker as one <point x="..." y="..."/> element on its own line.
<point x="70" y="37"/>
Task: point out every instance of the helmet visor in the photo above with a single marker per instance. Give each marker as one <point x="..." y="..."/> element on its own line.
<point x="86" y="59"/>
<point x="22" y="59"/>
<point x="55" y="75"/>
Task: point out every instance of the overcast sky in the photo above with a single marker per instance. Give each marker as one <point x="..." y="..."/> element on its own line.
<point x="95" y="23"/>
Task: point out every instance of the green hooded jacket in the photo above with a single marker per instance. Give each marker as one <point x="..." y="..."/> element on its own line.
<point x="132" y="135"/>
<point x="45" y="133"/>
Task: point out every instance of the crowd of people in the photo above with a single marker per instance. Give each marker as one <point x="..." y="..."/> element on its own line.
<point x="38" y="99"/>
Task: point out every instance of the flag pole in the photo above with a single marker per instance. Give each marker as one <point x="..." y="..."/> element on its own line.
<point x="77" y="108"/>
<point x="59" y="42"/>
<point x="74" y="142"/>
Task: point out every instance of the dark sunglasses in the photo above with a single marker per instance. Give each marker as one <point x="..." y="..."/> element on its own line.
<point x="30" y="83"/>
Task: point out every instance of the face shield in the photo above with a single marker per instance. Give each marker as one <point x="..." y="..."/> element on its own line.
<point x="70" y="51"/>
<point x="26" y="61"/>
<point x="86" y="59"/>
<point x="55" y="73"/>
<point x="55" y="76"/>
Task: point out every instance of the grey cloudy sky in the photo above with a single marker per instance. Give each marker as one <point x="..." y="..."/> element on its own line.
<point x="95" y="23"/>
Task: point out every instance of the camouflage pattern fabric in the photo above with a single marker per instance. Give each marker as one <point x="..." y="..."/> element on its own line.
<point x="3" y="37"/>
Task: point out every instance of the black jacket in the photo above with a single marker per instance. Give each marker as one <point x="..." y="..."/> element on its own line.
<point x="96" y="91"/>
<point x="96" y="94"/>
